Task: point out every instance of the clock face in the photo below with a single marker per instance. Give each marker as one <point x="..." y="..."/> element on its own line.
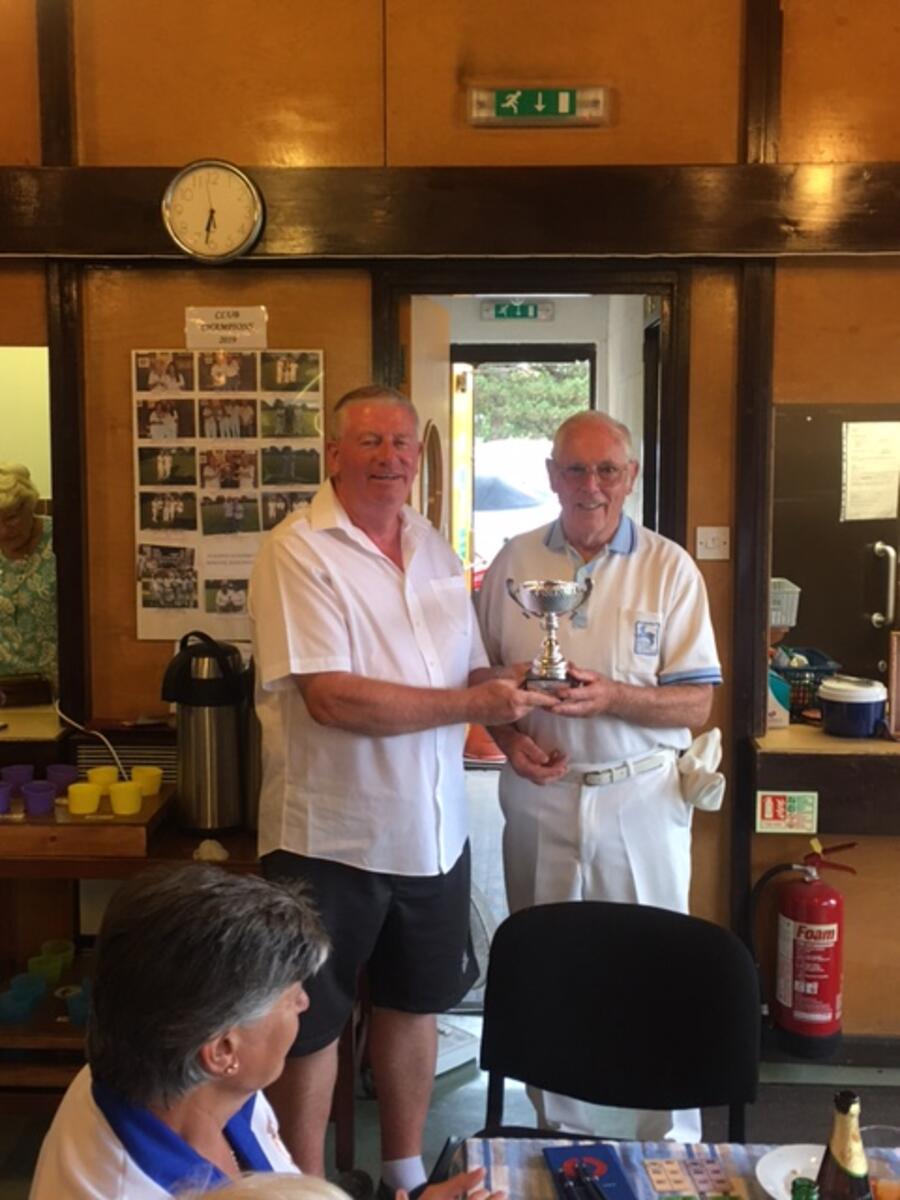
<point x="212" y="210"/>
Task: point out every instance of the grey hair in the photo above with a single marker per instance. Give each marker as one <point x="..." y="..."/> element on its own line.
<point x="273" y="1185"/>
<point x="183" y="955"/>
<point x="593" y="417"/>
<point x="16" y="486"/>
<point x="372" y="393"/>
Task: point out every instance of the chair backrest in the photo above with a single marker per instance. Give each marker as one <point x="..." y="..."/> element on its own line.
<point x="622" y="1004"/>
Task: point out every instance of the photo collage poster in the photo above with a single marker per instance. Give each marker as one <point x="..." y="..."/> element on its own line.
<point x="227" y="444"/>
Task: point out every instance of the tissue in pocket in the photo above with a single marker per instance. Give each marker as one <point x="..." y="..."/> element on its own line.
<point x="701" y="784"/>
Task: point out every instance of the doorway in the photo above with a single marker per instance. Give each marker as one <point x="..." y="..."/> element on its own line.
<point x="521" y="392"/>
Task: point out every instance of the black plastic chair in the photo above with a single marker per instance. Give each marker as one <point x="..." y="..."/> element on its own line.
<point x="621" y="1004"/>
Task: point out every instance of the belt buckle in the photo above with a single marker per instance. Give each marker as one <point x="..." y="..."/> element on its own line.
<point x="598" y="778"/>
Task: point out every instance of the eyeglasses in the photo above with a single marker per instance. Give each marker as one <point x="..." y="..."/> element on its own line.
<point x="606" y="472"/>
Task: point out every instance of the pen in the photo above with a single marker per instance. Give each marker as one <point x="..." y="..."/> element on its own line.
<point x="567" y="1189"/>
<point x="590" y="1181"/>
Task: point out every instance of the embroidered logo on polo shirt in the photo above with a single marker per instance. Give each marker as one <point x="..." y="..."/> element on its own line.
<point x="646" y="637"/>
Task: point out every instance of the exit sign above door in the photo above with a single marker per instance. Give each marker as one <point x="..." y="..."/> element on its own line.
<point x="520" y="104"/>
<point x="517" y="310"/>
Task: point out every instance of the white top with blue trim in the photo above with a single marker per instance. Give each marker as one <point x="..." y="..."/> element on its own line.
<point x="101" y="1148"/>
<point x="645" y="623"/>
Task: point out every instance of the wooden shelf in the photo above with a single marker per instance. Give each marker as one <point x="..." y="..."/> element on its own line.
<point x="100" y="834"/>
<point x="858" y="779"/>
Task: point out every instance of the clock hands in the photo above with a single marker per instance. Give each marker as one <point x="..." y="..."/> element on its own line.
<point x="210" y="222"/>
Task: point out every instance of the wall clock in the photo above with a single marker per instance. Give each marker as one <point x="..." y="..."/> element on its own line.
<point x="212" y="210"/>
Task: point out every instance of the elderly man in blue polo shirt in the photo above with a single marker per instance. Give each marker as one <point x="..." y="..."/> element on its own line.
<point x="591" y="794"/>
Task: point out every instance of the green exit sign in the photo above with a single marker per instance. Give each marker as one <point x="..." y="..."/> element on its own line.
<point x="520" y="104"/>
<point x="517" y="310"/>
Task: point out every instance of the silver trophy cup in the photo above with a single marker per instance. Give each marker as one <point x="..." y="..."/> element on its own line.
<point x="548" y="600"/>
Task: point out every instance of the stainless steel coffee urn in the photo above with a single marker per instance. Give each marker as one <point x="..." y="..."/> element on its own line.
<point x="209" y="684"/>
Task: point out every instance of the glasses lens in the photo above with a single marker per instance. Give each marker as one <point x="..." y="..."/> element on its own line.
<point x="606" y="472"/>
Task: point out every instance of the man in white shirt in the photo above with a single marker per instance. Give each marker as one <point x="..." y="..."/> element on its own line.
<point x="591" y="793"/>
<point x="369" y="665"/>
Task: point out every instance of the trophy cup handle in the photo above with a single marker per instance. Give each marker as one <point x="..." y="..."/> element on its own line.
<point x="513" y="589"/>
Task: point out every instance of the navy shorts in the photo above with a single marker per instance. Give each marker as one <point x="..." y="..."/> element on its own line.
<point x="410" y="932"/>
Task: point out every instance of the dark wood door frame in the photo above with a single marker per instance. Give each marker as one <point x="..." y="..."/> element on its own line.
<point x="392" y="283"/>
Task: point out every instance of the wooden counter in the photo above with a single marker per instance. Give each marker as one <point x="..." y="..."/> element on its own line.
<point x="38" y="723"/>
<point x="858" y="779"/>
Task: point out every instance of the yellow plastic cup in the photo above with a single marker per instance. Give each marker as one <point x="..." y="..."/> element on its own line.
<point x="61" y="948"/>
<point x="84" y="797"/>
<point x="148" y="779"/>
<point x="48" y="966"/>
<point x="126" y="799"/>
<point x="103" y="777"/>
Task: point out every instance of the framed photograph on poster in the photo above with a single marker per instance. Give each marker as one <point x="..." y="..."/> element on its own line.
<point x="894" y="686"/>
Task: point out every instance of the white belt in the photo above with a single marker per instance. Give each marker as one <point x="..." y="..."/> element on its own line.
<point x="601" y="776"/>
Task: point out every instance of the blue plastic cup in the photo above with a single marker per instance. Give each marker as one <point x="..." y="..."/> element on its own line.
<point x="33" y="986"/>
<point x="17" y="774"/>
<point x="6" y="795"/>
<point x="62" y="774"/>
<point x="39" y="796"/>
<point x="15" y="1007"/>
<point x="78" y="1005"/>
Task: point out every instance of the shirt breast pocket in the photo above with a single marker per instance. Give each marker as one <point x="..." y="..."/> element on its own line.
<point x="638" y="646"/>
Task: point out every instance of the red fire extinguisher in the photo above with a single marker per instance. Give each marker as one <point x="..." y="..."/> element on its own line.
<point x="806" y="1007"/>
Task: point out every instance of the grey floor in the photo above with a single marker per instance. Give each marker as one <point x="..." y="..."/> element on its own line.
<point x="794" y="1103"/>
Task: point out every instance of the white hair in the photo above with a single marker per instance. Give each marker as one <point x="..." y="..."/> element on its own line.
<point x="16" y="486"/>
<point x="269" y="1185"/>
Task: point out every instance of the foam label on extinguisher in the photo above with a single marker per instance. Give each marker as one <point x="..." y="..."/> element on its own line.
<point x="807" y="970"/>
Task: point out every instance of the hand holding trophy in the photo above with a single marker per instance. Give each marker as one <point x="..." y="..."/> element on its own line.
<point x="548" y="600"/>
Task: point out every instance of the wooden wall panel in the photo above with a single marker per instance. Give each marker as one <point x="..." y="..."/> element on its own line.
<point x="839" y="81"/>
<point x="20" y="134"/>
<point x="127" y="310"/>
<point x="711" y="502"/>
<point x="871" y="963"/>
<point x="283" y="82"/>
<point x="23" y="315"/>
<point x="836" y="332"/>
<point x="674" y="65"/>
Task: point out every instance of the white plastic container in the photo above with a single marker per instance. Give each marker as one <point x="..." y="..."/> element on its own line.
<point x="784" y="601"/>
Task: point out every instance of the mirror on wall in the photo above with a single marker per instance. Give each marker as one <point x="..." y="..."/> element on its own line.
<point x="28" y="624"/>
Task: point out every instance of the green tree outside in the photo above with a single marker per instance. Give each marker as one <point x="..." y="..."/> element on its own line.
<point x="528" y="399"/>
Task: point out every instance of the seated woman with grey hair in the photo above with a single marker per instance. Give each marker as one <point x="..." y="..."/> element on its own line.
<point x="197" y="991"/>
<point x="27" y="579"/>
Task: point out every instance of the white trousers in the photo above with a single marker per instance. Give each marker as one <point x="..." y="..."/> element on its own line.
<point x="627" y="842"/>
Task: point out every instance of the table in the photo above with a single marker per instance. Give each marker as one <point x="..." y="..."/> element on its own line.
<point x="518" y="1167"/>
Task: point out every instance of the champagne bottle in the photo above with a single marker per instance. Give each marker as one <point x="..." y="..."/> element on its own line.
<point x="844" y="1172"/>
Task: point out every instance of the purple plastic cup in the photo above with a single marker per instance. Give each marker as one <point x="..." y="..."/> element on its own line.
<point x="39" y="796"/>
<point x="6" y="792"/>
<point x="17" y="774"/>
<point x="62" y="774"/>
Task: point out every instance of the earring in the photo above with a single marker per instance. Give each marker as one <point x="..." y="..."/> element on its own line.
<point x="231" y="1068"/>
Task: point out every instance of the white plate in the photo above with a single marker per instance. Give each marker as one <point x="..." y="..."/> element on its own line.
<point x="778" y="1169"/>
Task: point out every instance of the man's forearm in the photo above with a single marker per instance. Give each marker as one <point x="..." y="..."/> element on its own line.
<point x="377" y="708"/>
<point x="673" y="704"/>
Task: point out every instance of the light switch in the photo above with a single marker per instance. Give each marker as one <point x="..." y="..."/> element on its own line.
<point x="713" y="541"/>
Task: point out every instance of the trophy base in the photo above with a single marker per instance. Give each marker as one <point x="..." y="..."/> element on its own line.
<point x="539" y="683"/>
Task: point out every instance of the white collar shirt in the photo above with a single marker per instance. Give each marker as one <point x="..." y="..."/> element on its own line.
<point x="323" y="598"/>
<point x="646" y="622"/>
